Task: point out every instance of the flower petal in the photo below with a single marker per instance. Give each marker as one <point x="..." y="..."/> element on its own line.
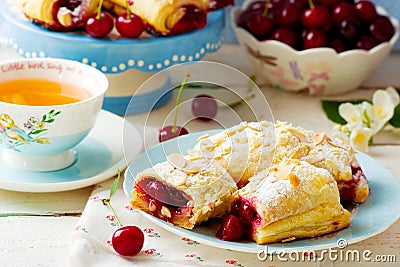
<point x="351" y="113"/>
<point x="383" y="107"/>
<point x="359" y="138"/>
<point x="394" y="95"/>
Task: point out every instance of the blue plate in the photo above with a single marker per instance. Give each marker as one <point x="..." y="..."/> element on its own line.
<point x="375" y="215"/>
<point x="112" y="55"/>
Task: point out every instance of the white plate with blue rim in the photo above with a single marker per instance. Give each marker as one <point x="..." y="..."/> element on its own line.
<point x="375" y="215"/>
<point x="98" y="157"/>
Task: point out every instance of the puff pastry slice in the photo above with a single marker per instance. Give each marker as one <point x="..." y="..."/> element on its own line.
<point x="294" y="200"/>
<point x="184" y="192"/>
<point x="243" y="150"/>
<point x="166" y="17"/>
<point x="321" y="150"/>
<point x="59" y="15"/>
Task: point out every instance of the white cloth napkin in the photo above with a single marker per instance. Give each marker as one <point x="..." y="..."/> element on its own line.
<point x="91" y="244"/>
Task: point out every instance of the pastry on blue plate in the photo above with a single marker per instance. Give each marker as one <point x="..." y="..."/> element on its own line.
<point x="289" y="201"/>
<point x="184" y="191"/>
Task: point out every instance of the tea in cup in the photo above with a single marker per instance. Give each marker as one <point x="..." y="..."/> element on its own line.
<point x="47" y="106"/>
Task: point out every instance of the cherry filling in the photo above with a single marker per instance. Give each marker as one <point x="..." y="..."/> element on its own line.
<point x="68" y="15"/>
<point x="239" y="222"/>
<point x="164" y="201"/>
<point x="348" y="189"/>
<point x="193" y="19"/>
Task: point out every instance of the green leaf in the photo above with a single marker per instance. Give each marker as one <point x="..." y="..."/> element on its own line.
<point x="50" y="121"/>
<point x="114" y="186"/>
<point x="44" y="117"/>
<point x="331" y="109"/>
<point x="57" y="113"/>
<point x="51" y="111"/>
<point x="395" y="120"/>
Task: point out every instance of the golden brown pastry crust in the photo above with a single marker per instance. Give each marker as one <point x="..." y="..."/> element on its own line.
<point x="294" y="200"/>
<point x="210" y="188"/>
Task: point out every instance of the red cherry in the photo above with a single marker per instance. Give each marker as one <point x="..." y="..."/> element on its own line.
<point x="260" y="25"/>
<point x="193" y="19"/>
<point x="338" y="44"/>
<point x="314" y="38"/>
<point x="99" y="27"/>
<point x="204" y="107"/>
<point x="382" y="29"/>
<point x="130" y="26"/>
<point x="285" y="36"/>
<point x="366" y="42"/>
<point x="329" y="3"/>
<point x="343" y="11"/>
<point x="318" y="17"/>
<point x="290" y="16"/>
<point x="246" y="213"/>
<point x="232" y="229"/>
<point x="350" y="28"/>
<point x="366" y="10"/>
<point x="166" y="133"/>
<point x="128" y="240"/>
<point x="300" y="3"/>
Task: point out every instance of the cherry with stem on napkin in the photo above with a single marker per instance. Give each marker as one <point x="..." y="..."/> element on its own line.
<point x="126" y="240"/>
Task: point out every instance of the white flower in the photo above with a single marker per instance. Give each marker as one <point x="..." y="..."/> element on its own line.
<point x="353" y="114"/>
<point x="359" y="138"/>
<point x="394" y="96"/>
<point x="383" y="105"/>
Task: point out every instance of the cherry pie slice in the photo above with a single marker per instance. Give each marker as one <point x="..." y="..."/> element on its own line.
<point x="184" y="192"/>
<point x="289" y="201"/>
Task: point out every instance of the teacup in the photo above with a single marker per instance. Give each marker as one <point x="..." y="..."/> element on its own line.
<point x="47" y="107"/>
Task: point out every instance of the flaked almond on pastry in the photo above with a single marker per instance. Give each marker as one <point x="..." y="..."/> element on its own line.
<point x="292" y="200"/>
<point x="59" y="15"/>
<point x="184" y="192"/>
<point x="251" y="147"/>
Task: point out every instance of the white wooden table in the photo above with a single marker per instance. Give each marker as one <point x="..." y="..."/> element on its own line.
<point x="35" y="228"/>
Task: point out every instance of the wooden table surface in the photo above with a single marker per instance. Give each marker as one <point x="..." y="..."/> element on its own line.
<point x="36" y="227"/>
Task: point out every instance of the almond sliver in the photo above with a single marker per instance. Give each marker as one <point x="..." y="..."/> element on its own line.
<point x="177" y="160"/>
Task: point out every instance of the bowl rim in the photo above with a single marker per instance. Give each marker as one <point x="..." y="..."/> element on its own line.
<point x="236" y="10"/>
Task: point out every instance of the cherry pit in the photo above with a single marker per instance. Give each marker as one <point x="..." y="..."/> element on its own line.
<point x="303" y="24"/>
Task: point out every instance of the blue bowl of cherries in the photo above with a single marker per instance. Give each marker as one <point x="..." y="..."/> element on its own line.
<point x="319" y="47"/>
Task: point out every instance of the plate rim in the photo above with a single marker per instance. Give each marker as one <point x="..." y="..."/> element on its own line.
<point x="274" y="247"/>
<point x="120" y="163"/>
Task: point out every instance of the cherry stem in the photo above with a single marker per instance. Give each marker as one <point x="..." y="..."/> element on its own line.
<point x="128" y="10"/>
<point x="98" y="16"/>
<point x="310" y="2"/>
<point x="178" y="100"/>
<point x="107" y="202"/>
<point x="265" y="11"/>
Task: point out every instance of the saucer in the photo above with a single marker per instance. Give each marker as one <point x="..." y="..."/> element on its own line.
<point x="98" y="157"/>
